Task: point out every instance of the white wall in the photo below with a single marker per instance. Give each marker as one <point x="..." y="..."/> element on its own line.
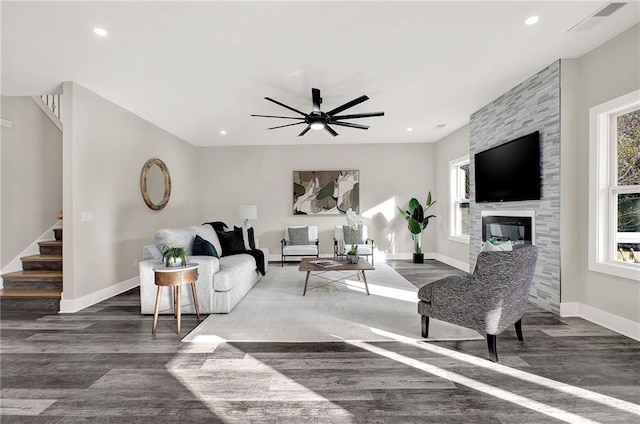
<point x="606" y="72"/>
<point x="449" y="148"/>
<point x="105" y="148"/>
<point x="390" y="174"/>
<point x="31" y="175"/>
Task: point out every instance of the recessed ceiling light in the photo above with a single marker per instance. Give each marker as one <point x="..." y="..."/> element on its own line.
<point x="410" y="129"/>
<point x="223" y="132"/>
<point x="100" y="31"/>
<point x="531" y="20"/>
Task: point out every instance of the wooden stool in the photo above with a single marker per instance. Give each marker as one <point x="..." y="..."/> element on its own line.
<point x="175" y="277"/>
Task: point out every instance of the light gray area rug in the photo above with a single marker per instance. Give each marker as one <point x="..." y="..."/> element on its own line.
<point x="275" y="311"/>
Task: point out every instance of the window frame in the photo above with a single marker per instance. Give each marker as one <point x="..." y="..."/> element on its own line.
<point x="603" y="188"/>
<point x="455" y="199"/>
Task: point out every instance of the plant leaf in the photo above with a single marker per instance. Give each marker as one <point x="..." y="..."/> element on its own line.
<point x="404" y="213"/>
<point x="414" y="226"/>
<point x="413" y="204"/>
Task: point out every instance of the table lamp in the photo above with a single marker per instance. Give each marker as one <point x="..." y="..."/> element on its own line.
<point x="247" y="212"/>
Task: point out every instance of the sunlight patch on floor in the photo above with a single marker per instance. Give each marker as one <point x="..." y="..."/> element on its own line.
<point x="388" y="292"/>
<point x="476" y="385"/>
<point x="219" y="383"/>
<point x="519" y="374"/>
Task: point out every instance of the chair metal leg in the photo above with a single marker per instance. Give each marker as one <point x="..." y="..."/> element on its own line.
<point x="425" y="326"/>
<point x="519" y="330"/>
<point x="492" y="345"/>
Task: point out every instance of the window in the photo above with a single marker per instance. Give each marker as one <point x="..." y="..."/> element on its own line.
<point x="459" y="207"/>
<point x="614" y="187"/>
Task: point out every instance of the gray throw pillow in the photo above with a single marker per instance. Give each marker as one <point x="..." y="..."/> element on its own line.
<point x="298" y="236"/>
<point x="351" y="236"/>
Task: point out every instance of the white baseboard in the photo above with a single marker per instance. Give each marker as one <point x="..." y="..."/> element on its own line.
<point x="463" y="266"/>
<point x="33" y="249"/>
<point x="570" y="309"/>
<point x="605" y="319"/>
<point x="70" y="306"/>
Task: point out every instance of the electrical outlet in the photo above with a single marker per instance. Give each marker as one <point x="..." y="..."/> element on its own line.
<point x="134" y="263"/>
<point x="86" y="216"/>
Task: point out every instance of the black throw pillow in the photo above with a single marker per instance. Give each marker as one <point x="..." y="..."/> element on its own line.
<point x="202" y="247"/>
<point x="231" y="242"/>
<point x="217" y="225"/>
<point x="250" y="237"/>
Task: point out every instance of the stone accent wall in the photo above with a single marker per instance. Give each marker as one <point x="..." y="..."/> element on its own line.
<point x="533" y="105"/>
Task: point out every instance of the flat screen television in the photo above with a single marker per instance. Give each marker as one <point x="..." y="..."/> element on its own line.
<point x="509" y="172"/>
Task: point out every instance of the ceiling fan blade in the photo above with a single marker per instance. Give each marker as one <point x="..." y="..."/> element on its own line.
<point x="285" y="106"/>
<point x="304" y="131"/>
<point x="273" y="116"/>
<point x="347" y="105"/>
<point x="358" y="115"/>
<point x="331" y="131"/>
<point x="317" y="100"/>
<point x="287" y="125"/>
<point x="350" y="125"/>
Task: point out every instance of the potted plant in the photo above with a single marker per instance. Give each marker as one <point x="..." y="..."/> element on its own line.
<point x="352" y="254"/>
<point x="417" y="222"/>
<point x="355" y="223"/>
<point x="174" y="256"/>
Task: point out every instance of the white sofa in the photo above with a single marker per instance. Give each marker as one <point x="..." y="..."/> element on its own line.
<point x="222" y="282"/>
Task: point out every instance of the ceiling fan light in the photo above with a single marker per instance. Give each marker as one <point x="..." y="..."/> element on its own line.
<point x="317" y="126"/>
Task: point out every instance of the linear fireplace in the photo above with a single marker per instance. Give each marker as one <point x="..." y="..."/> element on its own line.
<point x="517" y="226"/>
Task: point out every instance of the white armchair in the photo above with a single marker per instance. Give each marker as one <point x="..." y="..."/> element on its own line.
<point x="340" y="247"/>
<point x="300" y="241"/>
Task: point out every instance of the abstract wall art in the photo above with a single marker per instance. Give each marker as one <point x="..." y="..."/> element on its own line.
<point x="325" y="192"/>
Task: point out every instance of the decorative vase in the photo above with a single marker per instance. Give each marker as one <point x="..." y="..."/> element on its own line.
<point x="418" y="258"/>
<point x="353" y="259"/>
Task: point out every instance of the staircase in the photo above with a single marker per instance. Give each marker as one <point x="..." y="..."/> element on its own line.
<point x="38" y="286"/>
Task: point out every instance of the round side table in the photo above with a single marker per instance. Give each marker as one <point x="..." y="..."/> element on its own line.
<point x="175" y="277"/>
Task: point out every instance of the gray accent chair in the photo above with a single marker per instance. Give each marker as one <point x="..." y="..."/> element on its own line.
<point x="490" y="300"/>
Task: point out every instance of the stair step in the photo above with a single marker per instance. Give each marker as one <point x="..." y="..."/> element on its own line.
<point x="30" y="294"/>
<point x="40" y="300"/>
<point x="50" y="247"/>
<point x="58" y="233"/>
<point x="50" y="275"/>
<point x="42" y="262"/>
<point x="40" y="279"/>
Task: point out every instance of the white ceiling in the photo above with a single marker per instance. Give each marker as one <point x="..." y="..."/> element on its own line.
<point x="194" y="69"/>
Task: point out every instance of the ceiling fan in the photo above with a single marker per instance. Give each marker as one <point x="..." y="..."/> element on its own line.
<point x="318" y="120"/>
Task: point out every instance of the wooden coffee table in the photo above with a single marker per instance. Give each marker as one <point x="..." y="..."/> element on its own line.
<point x="306" y="264"/>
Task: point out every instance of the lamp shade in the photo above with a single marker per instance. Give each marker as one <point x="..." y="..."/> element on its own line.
<point x="247" y="212"/>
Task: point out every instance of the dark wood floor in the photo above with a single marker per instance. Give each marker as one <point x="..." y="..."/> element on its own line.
<point x="103" y="366"/>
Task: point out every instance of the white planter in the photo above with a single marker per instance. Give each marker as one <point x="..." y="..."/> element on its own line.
<point x="171" y="262"/>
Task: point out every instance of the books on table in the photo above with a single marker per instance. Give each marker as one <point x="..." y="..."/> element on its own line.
<point x="326" y="263"/>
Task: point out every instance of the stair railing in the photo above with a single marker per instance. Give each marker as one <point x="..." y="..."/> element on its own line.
<point x="53" y="102"/>
<point x="50" y="105"/>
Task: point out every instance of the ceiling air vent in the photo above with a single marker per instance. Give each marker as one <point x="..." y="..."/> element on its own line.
<point x="591" y="21"/>
<point x="608" y="10"/>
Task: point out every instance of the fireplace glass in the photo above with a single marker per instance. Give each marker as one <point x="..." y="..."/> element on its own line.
<point x="503" y="228"/>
